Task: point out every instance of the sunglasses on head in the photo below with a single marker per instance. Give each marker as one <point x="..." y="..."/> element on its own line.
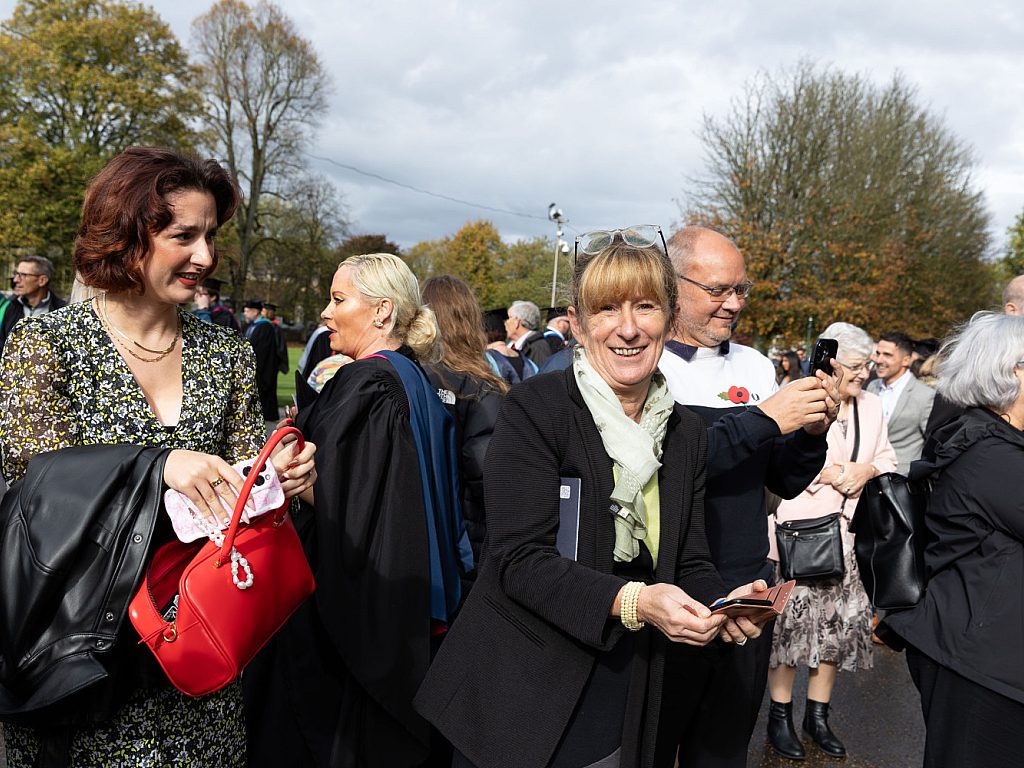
<point x="637" y="236"/>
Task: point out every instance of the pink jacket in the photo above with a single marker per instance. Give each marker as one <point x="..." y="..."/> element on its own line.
<point x="820" y="499"/>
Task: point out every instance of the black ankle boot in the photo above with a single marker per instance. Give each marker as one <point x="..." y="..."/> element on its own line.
<point x="816" y="726"/>
<point x="781" y="732"/>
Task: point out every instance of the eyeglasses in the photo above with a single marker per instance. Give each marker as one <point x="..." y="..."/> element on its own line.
<point x="723" y="292"/>
<point x="637" y="236"/>
<point x="867" y="365"/>
<point x="23" y="275"/>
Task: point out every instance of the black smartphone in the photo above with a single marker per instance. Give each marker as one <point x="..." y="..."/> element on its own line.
<point x="824" y="352"/>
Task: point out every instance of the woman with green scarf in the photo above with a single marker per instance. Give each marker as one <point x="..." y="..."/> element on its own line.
<point x="596" y="557"/>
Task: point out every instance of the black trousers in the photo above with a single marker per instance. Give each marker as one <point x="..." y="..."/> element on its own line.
<point x="968" y="725"/>
<point x="711" y="700"/>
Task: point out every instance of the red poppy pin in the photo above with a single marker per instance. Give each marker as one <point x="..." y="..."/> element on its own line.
<point x="737" y="395"/>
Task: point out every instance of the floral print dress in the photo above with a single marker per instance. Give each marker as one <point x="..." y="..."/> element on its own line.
<point x="63" y="383"/>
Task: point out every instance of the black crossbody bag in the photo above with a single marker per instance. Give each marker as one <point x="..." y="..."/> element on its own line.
<point x="813" y="549"/>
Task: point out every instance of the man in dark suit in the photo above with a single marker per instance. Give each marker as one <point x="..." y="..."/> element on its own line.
<point x="32" y="294"/>
<point x="262" y="334"/>
<point x="521" y="329"/>
<point x="557" y="332"/>
<point x="906" y="402"/>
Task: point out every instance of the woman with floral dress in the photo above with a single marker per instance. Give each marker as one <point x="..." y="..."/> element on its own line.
<point x="827" y="624"/>
<point x="130" y="367"/>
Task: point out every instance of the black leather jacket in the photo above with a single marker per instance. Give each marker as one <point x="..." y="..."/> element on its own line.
<point x="75" y="534"/>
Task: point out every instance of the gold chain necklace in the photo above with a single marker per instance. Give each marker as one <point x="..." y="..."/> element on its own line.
<point x="160" y="353"/>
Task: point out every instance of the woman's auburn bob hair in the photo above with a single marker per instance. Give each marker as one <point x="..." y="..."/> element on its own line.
<point x="126" y="204"/>
<point x="622" y="272"/>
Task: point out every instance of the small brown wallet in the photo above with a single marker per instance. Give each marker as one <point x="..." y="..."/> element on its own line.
<point x="757" y="606"/>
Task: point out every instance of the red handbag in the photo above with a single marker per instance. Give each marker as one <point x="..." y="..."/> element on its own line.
<point x="223" y="621"/>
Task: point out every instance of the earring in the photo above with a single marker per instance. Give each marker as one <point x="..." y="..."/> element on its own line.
<point x="377" y="323"/>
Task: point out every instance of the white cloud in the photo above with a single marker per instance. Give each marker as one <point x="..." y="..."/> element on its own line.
<point x="597" y="105"/>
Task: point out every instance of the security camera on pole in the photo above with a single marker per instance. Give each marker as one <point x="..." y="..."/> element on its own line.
<point x="556" y="215"/>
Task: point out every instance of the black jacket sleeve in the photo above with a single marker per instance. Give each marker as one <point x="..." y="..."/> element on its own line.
<point x="794" y="460"/>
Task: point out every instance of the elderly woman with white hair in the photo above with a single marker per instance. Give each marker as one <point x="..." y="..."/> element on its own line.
<point x="827" y="626"/>
<point x="965" y="637"/>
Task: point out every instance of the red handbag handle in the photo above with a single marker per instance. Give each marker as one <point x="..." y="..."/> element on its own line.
<point x="243" y="496"/>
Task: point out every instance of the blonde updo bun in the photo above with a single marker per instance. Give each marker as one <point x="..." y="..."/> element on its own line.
<point x="385" y="276"/>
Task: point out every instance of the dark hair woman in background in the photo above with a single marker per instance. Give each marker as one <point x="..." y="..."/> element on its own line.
<point x="789" y="368"/>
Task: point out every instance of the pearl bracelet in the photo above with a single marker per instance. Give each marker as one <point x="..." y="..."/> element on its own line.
<point x="628" y="605"/>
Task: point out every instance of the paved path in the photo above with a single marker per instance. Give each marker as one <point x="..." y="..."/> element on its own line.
<point x="876" y="713"/>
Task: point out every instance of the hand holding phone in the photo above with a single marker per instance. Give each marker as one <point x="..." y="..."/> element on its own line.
<point x="190" y="524"/>
<point x="825" y="351"/>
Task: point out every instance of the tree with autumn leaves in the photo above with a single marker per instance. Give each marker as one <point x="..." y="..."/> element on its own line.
<point x="850" y="202"/>
<point x="498" y="272"/>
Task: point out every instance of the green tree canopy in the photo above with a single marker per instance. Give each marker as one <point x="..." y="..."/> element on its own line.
<point x="1012" y="263"/>
<point x="850" y="202"/>
<point x="80" y="80"/>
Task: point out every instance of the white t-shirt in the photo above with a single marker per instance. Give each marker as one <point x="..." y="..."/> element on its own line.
<point x="741" y="375"/>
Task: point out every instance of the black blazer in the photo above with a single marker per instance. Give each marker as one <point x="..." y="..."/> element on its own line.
<point x="505" y="682"/>
<point x="75" y="535"/>
<point x="971" y="618"/>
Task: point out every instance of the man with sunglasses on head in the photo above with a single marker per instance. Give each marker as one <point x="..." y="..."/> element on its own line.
<point x="759" y="437"/>
<point x="32" y="295"/>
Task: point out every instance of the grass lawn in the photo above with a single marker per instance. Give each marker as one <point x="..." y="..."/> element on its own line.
<point x="286" y="381"/>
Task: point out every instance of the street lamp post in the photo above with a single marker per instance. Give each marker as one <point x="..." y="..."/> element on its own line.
<point x="556" y="215"/>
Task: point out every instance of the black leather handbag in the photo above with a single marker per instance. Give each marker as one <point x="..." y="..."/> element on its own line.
<point x="811" y="549"/>
<point x="890" y="530"/>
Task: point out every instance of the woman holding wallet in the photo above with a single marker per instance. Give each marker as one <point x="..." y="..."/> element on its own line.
<point x="827" y="626"/>
<point x="598" y="560"/>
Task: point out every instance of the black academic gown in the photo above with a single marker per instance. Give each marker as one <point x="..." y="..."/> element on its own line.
<point x="335" y="686"/>
<point x="263" y="337"/>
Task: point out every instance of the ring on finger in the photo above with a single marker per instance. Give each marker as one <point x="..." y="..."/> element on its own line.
<point x="215" y="483"/>
<point x="741" y="642"/>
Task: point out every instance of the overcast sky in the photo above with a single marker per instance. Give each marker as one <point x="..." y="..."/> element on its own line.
<point x="595" y="105"/>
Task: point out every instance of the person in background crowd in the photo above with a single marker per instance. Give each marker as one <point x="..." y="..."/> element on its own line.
<point x="263" y="337"/>
<point x="788" y="369"/>
<point x="209" y="308"/>
<point x="758" y="438"/>
<point x="128" y="368"/>
<point x="964" y="638"/>
<point x="505" y="359"/>
<point x="906" y="402"/>
<point x="269" y="311"/>
<point x="557" y="332"/>
<point x="549" y="664"/>
<point x="468" y="387"/>
<point x="318" y="348"/>
<point x="827" y="624"/>
<point x="385" y="539"/>
<point x="32" y="296"/>
<point x="1013" y="296"/>
<point x="521" y="331"/>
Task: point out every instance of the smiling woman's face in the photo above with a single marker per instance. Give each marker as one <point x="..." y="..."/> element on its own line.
<point x="624" y="341"/>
